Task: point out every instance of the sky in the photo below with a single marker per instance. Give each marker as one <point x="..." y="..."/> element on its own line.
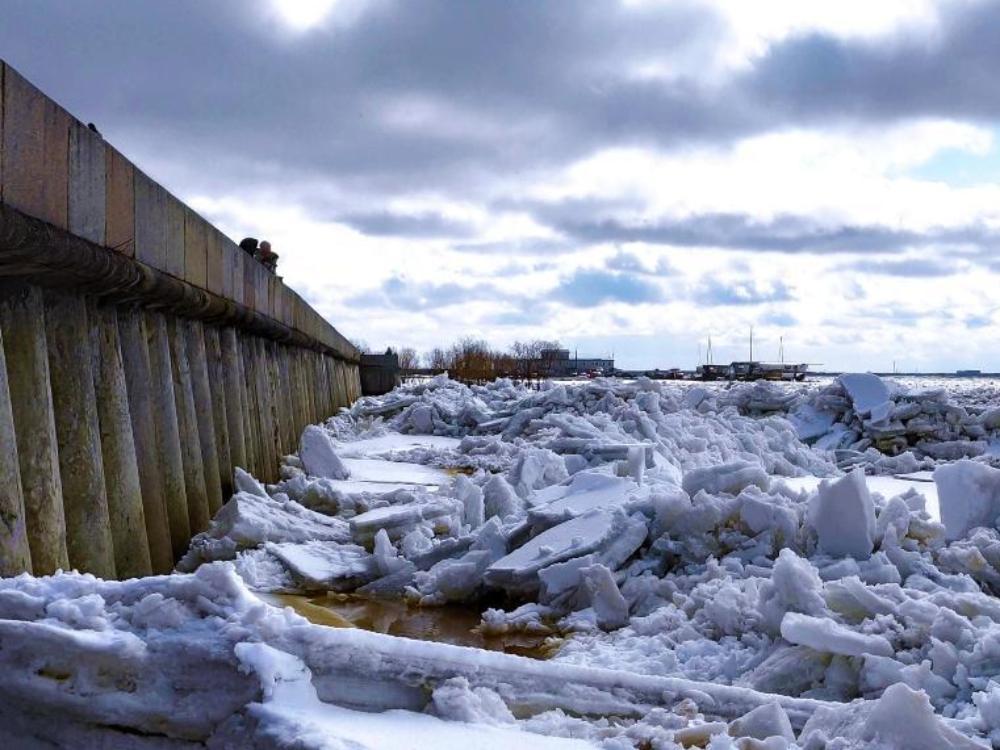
<point x="630" y="177"/>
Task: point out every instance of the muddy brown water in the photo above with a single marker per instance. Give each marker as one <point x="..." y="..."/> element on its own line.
<point x="455" y="624"/>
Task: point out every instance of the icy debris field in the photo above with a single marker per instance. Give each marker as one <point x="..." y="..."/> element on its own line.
<point x="763" y="566"/>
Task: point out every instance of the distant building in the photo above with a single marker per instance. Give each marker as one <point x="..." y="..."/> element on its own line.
<point x="558" y="363"/>
<point x="379" y="373"/>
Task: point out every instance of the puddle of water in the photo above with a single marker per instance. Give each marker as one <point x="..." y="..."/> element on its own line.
<point x="453" y="624"/>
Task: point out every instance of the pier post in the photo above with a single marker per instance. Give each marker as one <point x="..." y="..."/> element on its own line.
<point x="15" y="552"/>
<point x="187" y="427"/>
<point x="204" y="413"/>
<point x="168" y="441"/>
<point x="290" y="436"/>
<point x="217" y="386"/>
<point x="139" y="384"/>
<point x="22" y="321"/>
<point x="235" y="398"/>
<point x="121" y="469"/>
<point x="252" y="413"/>
<point x="266" y="414"/>
<point x="81" y="467"/>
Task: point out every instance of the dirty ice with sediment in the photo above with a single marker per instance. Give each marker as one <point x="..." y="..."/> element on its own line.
<point x="760" y="565"/>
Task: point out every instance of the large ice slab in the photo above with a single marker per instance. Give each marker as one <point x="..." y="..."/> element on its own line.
<point x="867" y="391"/>
<point x="326" y="565"/>
<point x="969" y="496"/>
<point x="377" y="470"/>
<point x="593" y="531"/>
<point x="377" y="446"/>
<point x="248" y="520"/>
<point x="843" y="515"/>
<point x="586" y="491"/>
<point x="823" y="634"/>
<point x="318" y="456"/>
<point x="397" y="520"/>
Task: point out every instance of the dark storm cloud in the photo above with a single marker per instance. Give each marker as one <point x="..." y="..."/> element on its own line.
<point x="519" y="84"/>
<point x="784" y="233"/>
<point x="458" y="98"/>
<point x="947" y="73"/>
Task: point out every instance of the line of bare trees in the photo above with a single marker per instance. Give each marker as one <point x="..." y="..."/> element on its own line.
<point x="473" y="360"/>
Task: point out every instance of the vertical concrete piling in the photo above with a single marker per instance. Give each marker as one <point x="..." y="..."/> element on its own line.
<point x="168" y="440"/>
<point x="187" y="426"/>
<point x="15" y="552"/>
<point x="204" y="414"/>
<point x="285" y="386"/>
<point x="143" y="355"/>
<point x="22" y="321"/>
<point x="252" y="413"/>
<point x="139" y="385"/>
<point x="217" y="386"/>
<point x="81" y="464"/>
<point x="235" y="398"/>
<point x="121" y="467"/>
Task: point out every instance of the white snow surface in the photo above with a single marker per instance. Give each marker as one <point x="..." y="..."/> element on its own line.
<point x="716" y="577"/>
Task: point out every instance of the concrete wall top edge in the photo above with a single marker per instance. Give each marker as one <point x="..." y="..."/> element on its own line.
<point x="55" y="168"/>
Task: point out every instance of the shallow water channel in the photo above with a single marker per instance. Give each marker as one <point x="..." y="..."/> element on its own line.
<point x="455" y="624"/>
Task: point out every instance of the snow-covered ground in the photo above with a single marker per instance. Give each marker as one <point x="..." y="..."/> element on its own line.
<point x="750" y="566"/>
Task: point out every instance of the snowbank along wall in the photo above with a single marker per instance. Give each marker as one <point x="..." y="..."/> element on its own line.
<point x="143" y="355"/>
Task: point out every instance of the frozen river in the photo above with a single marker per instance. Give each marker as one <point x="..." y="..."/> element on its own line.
<point x="687" y="565"/>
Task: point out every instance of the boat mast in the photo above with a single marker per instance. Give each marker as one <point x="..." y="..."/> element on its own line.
<point x="751" y="343"/>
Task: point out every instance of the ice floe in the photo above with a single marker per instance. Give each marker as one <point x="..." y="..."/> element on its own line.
<point x="755" y="566"/>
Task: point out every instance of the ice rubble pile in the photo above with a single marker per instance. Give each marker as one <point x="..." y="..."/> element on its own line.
<point x="861" y="417"/>
<point x="651" y="522"/>
<point x="197" y="660"/>
<point x="707" y="602"/>
<point x="562" y="479"/>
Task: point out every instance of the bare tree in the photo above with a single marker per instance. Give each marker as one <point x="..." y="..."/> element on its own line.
<point x="407" y="358"/>
<point x="437" y="359"/>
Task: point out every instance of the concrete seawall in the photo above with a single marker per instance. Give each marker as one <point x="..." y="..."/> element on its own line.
<point x="143" y="355"/>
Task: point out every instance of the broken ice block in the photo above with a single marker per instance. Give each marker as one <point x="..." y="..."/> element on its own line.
<point x="968" y="496"/>
<point x="317" y="454"/>
<point x="825" y="635"/>
<point x="843" y="515"/>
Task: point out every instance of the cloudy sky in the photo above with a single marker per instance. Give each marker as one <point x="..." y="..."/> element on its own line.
<point x="628" y="176"/>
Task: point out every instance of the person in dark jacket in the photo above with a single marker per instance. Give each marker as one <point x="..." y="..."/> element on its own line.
<point x="249" y="246"/>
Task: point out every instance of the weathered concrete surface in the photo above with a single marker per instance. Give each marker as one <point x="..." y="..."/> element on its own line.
<point x="235" y="397"/>
<point x="204" y="414"/>
<point x="220" y="422"/>
<point x="150" y="221"/>
<point x="35" y="151"/>
<point x="168" y="440"/>
<point x="195" y="249"/>
<point x="22" y="321"/>
<point x="74" y="403"/>
<point x="121" y="468"/>
<point x="147" y="355"/>
<point x="139" y="384"/>
<point x="15" y="552"/>
<point x="187" y="428"/>
<point x="119" y="195"/>
<point x="87" y="183"/>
